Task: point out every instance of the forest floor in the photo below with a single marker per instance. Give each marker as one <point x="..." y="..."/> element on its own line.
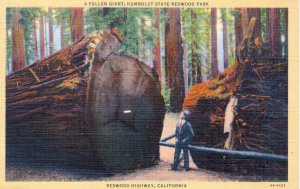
<point x="159" y="172"/>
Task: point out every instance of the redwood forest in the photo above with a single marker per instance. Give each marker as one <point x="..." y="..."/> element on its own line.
<point x="86" y="86"/>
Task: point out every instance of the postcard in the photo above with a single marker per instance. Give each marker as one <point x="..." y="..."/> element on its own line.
<point x="149" y="94"/>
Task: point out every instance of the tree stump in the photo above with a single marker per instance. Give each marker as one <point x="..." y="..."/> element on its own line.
<point x="258" y="82"/>
<point x="85" y="106"/>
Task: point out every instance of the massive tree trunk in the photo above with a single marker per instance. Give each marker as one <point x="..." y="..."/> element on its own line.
<point x="196" y="58"/>
<point x="174" y="52"/>
<point x="225" y="38"/>
<point x="51" y="45"/>
<point x="258" y="83"/>
<point x="185" y="58"/>
<point x="240" y="25"/>
<point x="17" y="35"/>
<point x="76" y="23"/>
<point x="105" y="11"/>
<point x="208" y="51"/>
<point x="156" y="48"/>
<point x="35" y="47"/>
<point x="269" y="25"/>
<point x="42" y="36"/>
<point x="273" y="31"/>
<point x="85" y="106"/>
<point x="245" y="20"/>
<point x="238" y="30"/>
<point x="125" y="20"/>
<point x="255" y="12"/>
<point x="214" y="45"/>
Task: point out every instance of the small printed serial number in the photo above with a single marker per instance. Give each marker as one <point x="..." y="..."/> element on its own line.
<point x="278" y="185"/>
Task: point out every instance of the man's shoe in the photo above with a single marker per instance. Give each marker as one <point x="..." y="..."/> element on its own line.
<point x="173" y="169"/>
<point x="186" y="169"/>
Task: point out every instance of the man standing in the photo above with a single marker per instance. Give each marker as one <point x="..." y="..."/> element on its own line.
<point x="184" y="133"/>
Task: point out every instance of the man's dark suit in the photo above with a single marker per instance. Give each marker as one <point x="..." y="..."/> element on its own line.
<point x="184" y="133"/>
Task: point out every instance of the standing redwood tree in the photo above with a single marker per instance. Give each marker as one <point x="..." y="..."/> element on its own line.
<point x="238" y="30"/>
<point x="35" y="47"/>
<point x="76" y="23"/>
<point x="174" y="53"/>
<point x="18" y="50"/>
<point x="105" y="11"/>
<point x="125" y="19"/>
<point x="286" y="33"/>
<point x="156" y="49"/>
<point x="255" y="12"/>
<point x="214" y="45"/>
<point x="207" y="46"/>
<point x="50" y="31"/>
<point x="225" y="40"/>
<point x="240" y="25"/>
<point x="245" y="20"/>
<point x="42" y="35"/>
<point x="62" y="31"/>
<point x="273" y="31"/>
<point x="196" y="59"/>
<point x="185" y="58"/>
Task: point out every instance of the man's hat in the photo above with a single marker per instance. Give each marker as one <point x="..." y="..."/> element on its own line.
<point x="186" y="114"/>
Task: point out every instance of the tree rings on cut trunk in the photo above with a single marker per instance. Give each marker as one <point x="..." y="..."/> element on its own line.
<point x="127" y="111"/>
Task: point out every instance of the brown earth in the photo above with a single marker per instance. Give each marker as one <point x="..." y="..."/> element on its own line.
<point x="159" y="172"/>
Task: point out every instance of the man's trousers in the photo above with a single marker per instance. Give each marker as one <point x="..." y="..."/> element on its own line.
<point x="178" y="148"/>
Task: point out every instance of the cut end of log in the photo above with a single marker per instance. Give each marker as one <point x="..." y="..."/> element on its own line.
<point x="127" y="112"/>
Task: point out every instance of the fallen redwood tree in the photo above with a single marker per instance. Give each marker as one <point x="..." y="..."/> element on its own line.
<point x="243" y="108"/>
<point x="85" y="105"/>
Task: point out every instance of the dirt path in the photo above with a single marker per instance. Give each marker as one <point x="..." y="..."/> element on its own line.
<point x="159" y="172"/>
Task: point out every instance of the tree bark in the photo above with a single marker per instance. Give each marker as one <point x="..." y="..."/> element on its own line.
<point x="77" y="30"/>
<point x="273" y="31"/>
<point x="105" y="11"/>
<point x="286" y="36"/>
<point x="268" y="25"/>
<point x="85" y="106"/>
<point x="208" y="49"/>
<point x="185" y="58"/>
<point x="255" y="12"/>
<point x="245" y="20"/>
<point x="225" y="39"/>
<point x="42" y="36"/>
<point x="174" y="52"/>
<point x="18" y="48"/>
<point x="35" y="47"/>
<point x="51" y="45"/>
<point x="156" y="48"/>
<point x="260" y="86"/>
<point x="125" y="20"/>
<point x="214" y="45"/>
<point x="238" y="30"/>
<point x="196" y="58"/>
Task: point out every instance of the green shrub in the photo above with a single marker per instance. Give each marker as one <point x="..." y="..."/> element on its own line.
<point x="166" y="91"/>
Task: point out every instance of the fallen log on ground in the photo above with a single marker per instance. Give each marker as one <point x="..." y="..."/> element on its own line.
<point x="85" y="105"/>
<point x="254" y="90"/>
